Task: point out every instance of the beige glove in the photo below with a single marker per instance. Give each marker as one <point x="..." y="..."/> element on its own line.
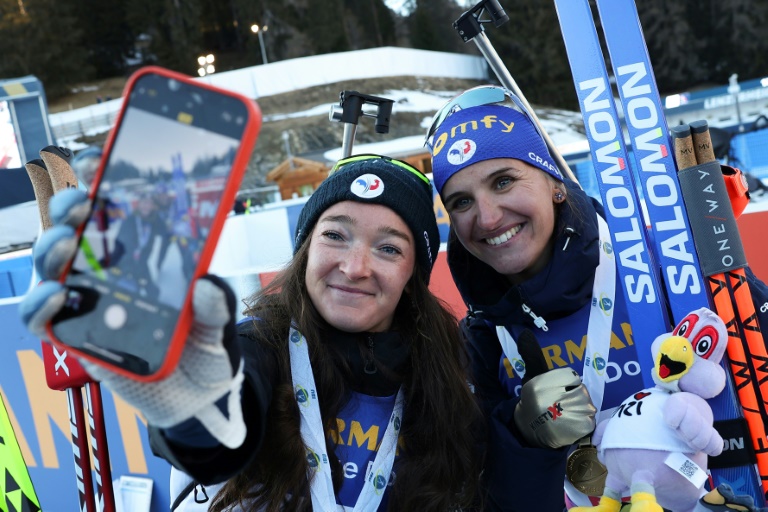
<point x="555" y="409"/>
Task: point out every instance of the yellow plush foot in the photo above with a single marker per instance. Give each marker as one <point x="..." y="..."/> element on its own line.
<point x="645" y="502"/>
<point x="606" y="505"/>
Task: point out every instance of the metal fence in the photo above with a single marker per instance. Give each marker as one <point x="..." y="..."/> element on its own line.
<point x="746" y="150"/>
<point x="95" y="123"/>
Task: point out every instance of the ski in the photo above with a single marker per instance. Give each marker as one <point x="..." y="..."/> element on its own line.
<point x="649" y="134"/>
<point x="637" y="86"/>
<point x="635" y="260"/>
<point x="17" y="491"/>
<point x="684" y="288"/>
<point x="723" y="265"/>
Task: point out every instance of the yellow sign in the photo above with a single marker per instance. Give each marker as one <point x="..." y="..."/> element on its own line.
<point x="16" y="491"/>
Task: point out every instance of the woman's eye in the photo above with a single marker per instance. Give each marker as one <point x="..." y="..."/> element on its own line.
<point x="459" y="204"/>
<point x="503" y="182"/>
<point x="332" y="235"/>
<point x="391" y="249"/>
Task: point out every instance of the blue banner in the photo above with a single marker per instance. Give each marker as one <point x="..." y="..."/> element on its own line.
<point x="41" y="424"/>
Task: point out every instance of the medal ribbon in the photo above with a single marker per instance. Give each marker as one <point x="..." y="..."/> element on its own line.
<point x="599" y="327"/>
<point x="313" y="435"/>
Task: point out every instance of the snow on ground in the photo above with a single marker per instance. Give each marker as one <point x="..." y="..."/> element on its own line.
<point x="561" y="125"/>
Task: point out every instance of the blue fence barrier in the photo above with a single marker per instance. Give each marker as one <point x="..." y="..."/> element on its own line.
<point x="748" y="151"/>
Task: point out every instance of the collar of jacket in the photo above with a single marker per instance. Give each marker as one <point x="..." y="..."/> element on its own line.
<point x="391" y="354"/>
<point x="560" y="289"/>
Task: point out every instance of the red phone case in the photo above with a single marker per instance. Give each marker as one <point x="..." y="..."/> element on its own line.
<point x="248" y="141"/>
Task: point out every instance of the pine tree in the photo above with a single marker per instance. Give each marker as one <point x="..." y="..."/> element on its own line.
<point x="173" y="27"/>
<point x="42" y="38"/>
<point x="531" y="46"/>
<point x="431" y="26"/>
<point x="105" y="35"/>
<point x="739" y="39"/>
<point x="673" y="46"/>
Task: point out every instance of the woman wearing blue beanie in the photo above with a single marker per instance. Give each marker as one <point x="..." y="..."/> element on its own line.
<point x="523" y="251"/>
<point x="532" y="258"/>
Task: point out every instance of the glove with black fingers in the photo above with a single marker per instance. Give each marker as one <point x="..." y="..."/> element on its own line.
<point x="555" y="409"/>
<point x="210" y="367"/>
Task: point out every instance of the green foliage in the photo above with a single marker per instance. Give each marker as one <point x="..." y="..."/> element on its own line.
<point x="431" y="26"/>
<point x="532" y="48"/>
<point x="674" y="49"/>
<point x="733" y="36"/>
<point x="107" y="39"/>
<point x="41" y="38"/>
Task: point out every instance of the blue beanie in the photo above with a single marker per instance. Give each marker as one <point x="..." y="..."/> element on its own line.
<point x="485" y="132"/>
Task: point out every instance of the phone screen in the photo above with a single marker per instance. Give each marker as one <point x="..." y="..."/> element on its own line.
<point x="155" y="203"/>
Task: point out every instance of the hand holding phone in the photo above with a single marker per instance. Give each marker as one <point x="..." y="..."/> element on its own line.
<point x="170" y="172"/>
<point x="209" y="367"/>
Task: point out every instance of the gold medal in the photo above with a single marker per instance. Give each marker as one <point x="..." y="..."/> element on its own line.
<point x="585" y="471"/>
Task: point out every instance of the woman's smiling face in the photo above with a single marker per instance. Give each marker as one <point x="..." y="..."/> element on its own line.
<point x="361" y="257"/>
<point x="502" y="211"/>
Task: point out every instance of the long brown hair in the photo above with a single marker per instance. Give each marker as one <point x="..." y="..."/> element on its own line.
<point x="439" y="465"/>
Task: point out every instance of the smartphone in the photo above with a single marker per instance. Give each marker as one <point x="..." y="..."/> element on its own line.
<point x="167" y="180"/>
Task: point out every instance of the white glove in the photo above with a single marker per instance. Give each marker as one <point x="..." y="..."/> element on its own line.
<point x="209" y="368"/>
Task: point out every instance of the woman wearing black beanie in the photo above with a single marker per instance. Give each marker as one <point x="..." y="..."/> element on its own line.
<point x="344" y="388"/>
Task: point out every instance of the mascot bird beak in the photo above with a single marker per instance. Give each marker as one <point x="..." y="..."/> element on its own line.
<point x="674" y="358"/>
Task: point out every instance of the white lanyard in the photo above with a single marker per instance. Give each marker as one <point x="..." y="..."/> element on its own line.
<point x="313" y="435"/>
<point x="599" y="327"/>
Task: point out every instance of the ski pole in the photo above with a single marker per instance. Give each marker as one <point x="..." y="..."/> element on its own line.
<point x="66" y="374"/>
<point x="741" y="298"/>
<point x="80" y="450"/>
<point x="43" y="189"/>
<point x="719" y="244"/>
<point x="470" y="27"/>
<point x="57" y="162"/>
<point x="105" y="495"/>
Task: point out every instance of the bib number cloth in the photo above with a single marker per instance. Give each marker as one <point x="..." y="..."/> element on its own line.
<point x="313" y="435"/>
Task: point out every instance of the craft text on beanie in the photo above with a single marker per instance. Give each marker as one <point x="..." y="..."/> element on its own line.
<point x="378" y="180"/>
<point x="486" y="132"/>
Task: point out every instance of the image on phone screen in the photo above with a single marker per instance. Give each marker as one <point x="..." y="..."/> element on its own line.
<point x="153" y="209"/>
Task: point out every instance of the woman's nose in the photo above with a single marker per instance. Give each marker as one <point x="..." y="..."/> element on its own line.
<point x="357" y="263"/>
<point x="489" y="214"/>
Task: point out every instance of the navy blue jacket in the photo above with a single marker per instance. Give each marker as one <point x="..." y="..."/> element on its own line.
<point x="518" y="477"/>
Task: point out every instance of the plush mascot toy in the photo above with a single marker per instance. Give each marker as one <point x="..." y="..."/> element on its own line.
<point x="656" y="443"/>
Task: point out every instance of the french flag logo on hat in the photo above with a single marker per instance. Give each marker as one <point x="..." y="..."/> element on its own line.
<point x="367" y="186"/>
<point x="461" y="151"/>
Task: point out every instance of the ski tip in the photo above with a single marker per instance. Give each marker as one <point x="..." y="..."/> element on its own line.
<point x="700" y="126"/>
<point x="680" y="131"/>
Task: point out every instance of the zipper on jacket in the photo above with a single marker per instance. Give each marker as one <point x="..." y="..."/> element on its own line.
<point x="370" y="366"/>
<point x="537" y="320"/>
<point x="569" y="232"/>
<point x="472" y="312"/>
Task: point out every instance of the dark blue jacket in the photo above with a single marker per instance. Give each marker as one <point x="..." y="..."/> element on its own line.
<point x="518" y="477"/>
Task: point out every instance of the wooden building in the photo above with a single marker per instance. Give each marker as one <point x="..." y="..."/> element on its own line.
<point x="298" y="177"/>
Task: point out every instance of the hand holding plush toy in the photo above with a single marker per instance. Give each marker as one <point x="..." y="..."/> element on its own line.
<point x="656" y="443"/>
